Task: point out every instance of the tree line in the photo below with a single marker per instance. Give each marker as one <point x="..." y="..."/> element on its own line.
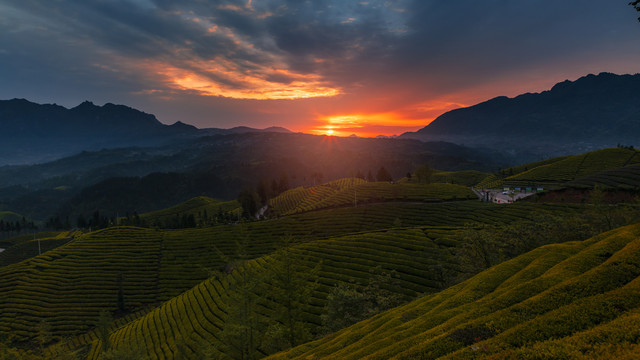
<point x="10" y="228"/>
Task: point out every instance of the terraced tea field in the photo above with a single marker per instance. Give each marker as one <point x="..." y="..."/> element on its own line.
<point x="465" y="178"/>
<point x="626" y="178"/>
<point x="351" y="192"/>
<point x="202" y="209"/>
<point x="69" y="285"/>
<point x="576" y="300"/>
<point x="26" y="246"/>
<point x="195" y="318"/>
<point x="557" y="171"/>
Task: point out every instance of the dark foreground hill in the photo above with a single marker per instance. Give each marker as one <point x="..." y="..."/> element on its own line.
<point x="574" y="116"/>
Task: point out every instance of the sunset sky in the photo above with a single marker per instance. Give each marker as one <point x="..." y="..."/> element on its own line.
<point x="365" y="67"/>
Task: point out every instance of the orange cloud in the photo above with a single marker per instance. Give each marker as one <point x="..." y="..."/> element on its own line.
<point x="221" y="77"/>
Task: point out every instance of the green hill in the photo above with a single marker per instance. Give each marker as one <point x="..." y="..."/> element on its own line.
<point x="354" y="191"/>
<point x="622" y="178"/>
<point x="69" y="285"/>
<point x="27" y="246"/>
<point x="200" y="211"/>
<point x="10" y="216"/>
<point x="575" y="300"/>
<point x="466" y="177"/>
<point x="196" y="318"/>
<point x="557" y="171"/>
<point x="420" y="256"/>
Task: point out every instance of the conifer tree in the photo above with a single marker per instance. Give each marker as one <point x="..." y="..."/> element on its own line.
<point x="383" y="175"/>
<point x="290" y="287"/>
<point x="242" y="330"/>
<point x="44" y="334"/>
<point x="103" y="326"/>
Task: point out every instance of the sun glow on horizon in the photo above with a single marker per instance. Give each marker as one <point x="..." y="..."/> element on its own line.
<point x="408" y="118"/>
<point x="366" y="125"/>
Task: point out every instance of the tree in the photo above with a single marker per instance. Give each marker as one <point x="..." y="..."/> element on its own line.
<point x="348" y="303"/>
<point x="636" y="5"/>
<point x="248" y="199"/>
<point x="44" y="334"/>
<point x="283" y="185"/>
<point x="263" y="191"/>
<point x="383" y="175"/>
<point x="424" y="173"/>
<point x="291" y="288"/>
<point x="124" y="353"/>
<point x="242" y="329"/>
<point x="601" y="214"/>
<point x="103" y="326"/>
<point x="487" y="246"/>
<point x="370" y="177"/>
<point x="480" y="249"/>
<point x="120" y="302"/>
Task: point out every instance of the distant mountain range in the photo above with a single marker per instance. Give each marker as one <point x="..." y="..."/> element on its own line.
<point x="592" y="112"/>
<point x="34" y="133"/>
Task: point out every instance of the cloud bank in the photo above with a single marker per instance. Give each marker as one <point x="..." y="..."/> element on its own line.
<point x="387" y="66"/>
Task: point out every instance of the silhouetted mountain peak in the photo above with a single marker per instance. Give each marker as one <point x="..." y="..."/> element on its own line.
<point x="35" y="132"/>
<point x="277" y="129"/>
<point x="592" y="111"/>
<point x="85" y="105"/>
<point x="180" y="126"/>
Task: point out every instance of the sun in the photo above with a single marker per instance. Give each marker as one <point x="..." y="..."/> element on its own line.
<point x="329" y="132"/>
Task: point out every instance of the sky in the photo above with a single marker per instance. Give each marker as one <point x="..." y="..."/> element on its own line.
<point x="372" y="67"/>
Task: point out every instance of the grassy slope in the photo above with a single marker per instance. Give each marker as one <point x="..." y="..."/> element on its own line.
<point x="25" y="249"/>
<point x="346" y="192"/>
<point x="195" y="317"/>
<point x="571" y="300"/>
<point x="69" y="285"/>
<point x="196" y="207"/>
<point x="10" y="216"/>
<point x="626" y="178"/>
<point x="466" y="178"/>
<point x="414" y="252"/>
<point x="560" y="170"/>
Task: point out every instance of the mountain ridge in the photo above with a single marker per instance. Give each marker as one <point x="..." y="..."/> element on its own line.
<point x="591" y="112"/>
<point x="36" y="133"/>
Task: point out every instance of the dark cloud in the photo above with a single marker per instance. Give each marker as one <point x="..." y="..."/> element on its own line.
<point x="380" y="55"/>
